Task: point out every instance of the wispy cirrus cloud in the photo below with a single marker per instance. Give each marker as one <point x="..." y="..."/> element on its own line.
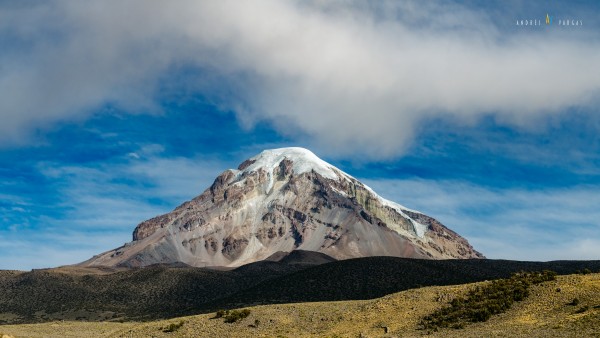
<point x="96" y="207"/>
<point x="353" y="78"/>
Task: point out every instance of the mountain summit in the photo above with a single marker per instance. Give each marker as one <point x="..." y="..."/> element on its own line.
<point x="279" y="201"/>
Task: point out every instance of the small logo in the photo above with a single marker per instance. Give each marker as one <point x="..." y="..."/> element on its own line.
<point x="560" y="21"/>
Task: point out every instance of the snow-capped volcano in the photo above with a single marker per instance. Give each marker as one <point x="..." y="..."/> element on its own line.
<point x="282" y="200"/>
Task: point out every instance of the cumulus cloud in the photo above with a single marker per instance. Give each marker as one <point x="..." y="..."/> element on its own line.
<point x="352" y="77"/>
<point x="508" y="223"/>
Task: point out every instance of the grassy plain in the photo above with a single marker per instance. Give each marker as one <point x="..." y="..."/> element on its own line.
<point x="547" y="312"/>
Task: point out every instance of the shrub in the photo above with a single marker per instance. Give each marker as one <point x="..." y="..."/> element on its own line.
<point x="235" y="315"/>
<point x="482" y="302"/>
<point x="481" y="315"/>
<point x="221" y="313"/>
<point x="574" y="302"/>
<point x="173" y="327"/>
<point x="458" y="326"/>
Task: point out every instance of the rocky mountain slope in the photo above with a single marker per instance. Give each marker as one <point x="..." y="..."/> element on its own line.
<point x="279" y="201"/>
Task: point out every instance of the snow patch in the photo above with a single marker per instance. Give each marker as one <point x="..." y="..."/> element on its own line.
<point x="303" y="161"/>
<point x="394" y="205"/>
<point x="418" y="227"/>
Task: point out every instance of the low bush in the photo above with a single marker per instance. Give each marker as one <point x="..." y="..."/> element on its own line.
<point x="235" y="315"/>
<point x="485" y="301"/>
<point x="173" y="327"/>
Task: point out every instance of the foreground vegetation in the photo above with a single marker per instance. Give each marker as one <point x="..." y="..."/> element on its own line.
<point x="232" y="316"/>
<point x="482" y="302"/>
<point x="566" y="307"/>
<point x="159" y="292"/>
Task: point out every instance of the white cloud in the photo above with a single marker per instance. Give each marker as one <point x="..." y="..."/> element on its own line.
<point x="520" y="224"/>
<point x="353" y="78"/>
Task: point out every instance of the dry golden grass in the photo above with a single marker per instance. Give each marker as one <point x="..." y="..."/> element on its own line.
<point x="545" y="313"/>
<point x="67" y="329"/>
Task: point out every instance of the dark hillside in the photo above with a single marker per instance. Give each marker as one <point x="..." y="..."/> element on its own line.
<point x="163" y="291"/>
<point x="372" y="277"/>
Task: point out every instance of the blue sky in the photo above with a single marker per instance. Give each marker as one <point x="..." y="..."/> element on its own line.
<point x="450" y="108"/>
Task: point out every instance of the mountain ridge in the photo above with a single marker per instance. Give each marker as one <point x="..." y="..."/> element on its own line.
<point x="284" y="200"/>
